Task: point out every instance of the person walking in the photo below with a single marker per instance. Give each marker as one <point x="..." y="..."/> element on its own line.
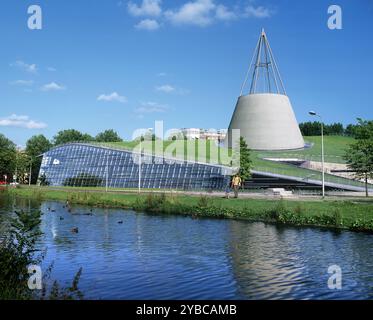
<point x="236" y="184"/>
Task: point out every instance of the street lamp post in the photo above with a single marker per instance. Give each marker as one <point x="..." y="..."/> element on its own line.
<point x="30" y="173"/>
<point x="313" y="113"/>
<point x="107" y="173"/>
<point x="140" y="155"/>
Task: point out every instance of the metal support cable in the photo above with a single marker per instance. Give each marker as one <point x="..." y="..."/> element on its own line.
<point x="257" y="65"/>
<point x="250" y="66"/>
<point x="277" y="70"/>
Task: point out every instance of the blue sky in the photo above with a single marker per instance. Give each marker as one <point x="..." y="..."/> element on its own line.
<point x="117" y="64"/>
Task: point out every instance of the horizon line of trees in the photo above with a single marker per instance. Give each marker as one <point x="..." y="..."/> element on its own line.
<point x="313" y="128"/>
<point x="15" y="163"/>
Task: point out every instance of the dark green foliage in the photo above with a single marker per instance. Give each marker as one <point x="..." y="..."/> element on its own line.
<point x="350" y="130"/>
<point x="245" y="160"/>
<point x="69" y="293"/>
<point x="203" y="201"/>
<point x="359" y="156"/>
<point x="334" y="129"/>
<point x="362" y="225"/>
<point x="35" y="147"/>
<point x="364" y="129"/>
<point x="7" y="157"/>
<point x="155" y="201"/>
<point x="17" y="253"/>
<point x="83" y="180"/>
<point x="71" y="135"/>
<point x="280" y="214"/>
<point x="108" y="136"/>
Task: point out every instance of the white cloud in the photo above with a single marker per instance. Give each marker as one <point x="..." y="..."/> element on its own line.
<point x="199" y="12"/>
<point x="258" y="12"/>
<point x="51" y="69"/>
<point x="151" y="107"/>
<point x="52" y="87"/>
<point x="147" y="24"/>
<point x="21" y="122"/>
<point x="223" y="13"/>
<point x="32" y="68"/>
<point x="165" y="88"/>
<point x="146" y="8"/>
<point x="26" y="83"/>
<point x="203" y="13"/>
<point x="112" y="97"/>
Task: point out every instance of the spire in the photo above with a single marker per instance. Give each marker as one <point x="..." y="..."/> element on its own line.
<point x="265" y="76"/>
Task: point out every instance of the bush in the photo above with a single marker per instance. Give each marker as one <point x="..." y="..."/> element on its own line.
<point x="203" y="201"/>
<point x="17" y="252"/>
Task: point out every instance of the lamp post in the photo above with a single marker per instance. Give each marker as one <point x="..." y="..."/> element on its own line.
<point x="313" y="113"/>
<point x="30" y="173"/>
<point x="140" y="155"/>
<point x="107" y="172"/>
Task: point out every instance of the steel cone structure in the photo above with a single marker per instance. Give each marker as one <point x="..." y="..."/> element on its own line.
<point x="265" y="116"/>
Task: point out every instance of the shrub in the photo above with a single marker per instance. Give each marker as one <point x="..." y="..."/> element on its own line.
<point x="17" y="252"/>
<point x="203" y="201"/>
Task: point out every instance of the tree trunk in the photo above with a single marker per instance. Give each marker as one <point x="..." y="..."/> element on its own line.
<point x="366" y="185"/>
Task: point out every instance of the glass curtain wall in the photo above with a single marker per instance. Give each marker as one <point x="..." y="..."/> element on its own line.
<point x="84" y="165"/>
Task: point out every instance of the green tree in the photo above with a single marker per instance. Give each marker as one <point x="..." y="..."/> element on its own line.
<point x="245" y="160"/>
<point x="350" y="130"/>
<point x="71" y="135"/>
<point x="17" y="252"/>
<point x="22" y="167"/>
<point x="108" y="136"/>
<point x="35" y="147"/>
<point x="310" y="128"/>
<point x="364" y="129"/>
<point x="359" y="155"/>
<point x="7" y="157"/>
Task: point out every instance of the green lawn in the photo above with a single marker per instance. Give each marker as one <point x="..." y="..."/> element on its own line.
<point x="335" y="148"/>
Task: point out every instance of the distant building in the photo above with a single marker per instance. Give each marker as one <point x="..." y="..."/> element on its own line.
<point x="213" y="134"/>
<point x="202" y="134"/>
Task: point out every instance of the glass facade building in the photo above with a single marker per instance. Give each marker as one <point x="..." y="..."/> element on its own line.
<point x="79" y="164"/>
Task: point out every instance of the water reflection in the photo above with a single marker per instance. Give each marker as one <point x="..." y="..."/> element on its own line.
<point x="127" y="255"/>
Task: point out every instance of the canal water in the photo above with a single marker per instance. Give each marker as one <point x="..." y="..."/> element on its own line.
<point x="128" y="255"/>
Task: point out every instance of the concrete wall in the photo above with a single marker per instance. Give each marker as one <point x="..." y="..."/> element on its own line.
<point x="267" y="122"/>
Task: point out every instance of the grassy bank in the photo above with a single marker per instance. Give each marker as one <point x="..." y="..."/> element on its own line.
<point x="354" y="215"/>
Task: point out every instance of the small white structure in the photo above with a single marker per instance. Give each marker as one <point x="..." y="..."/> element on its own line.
<point x="265" y="116"/>
<point x="195" y="133"/>
<point x="191" y="133"/>
<point x="279" y="192"/>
